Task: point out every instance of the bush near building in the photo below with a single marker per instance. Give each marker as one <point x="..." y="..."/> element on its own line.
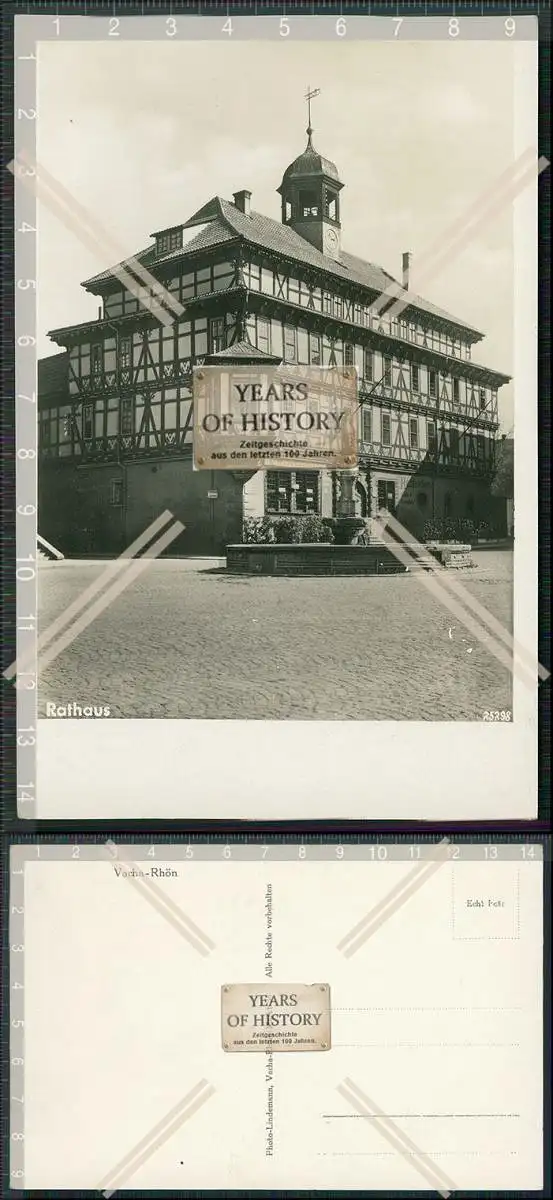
<point x="291" y="529"/>
<point x="448" y="529"/>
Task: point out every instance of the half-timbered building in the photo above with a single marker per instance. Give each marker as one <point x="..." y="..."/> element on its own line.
<point x="115" y="406"/>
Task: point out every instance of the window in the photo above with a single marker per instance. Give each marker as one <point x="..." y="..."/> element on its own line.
<point x="422" y="499"/>
<point x="447" y="504"/>
<point x="367" y="425"/>
<point x="314" y="349"/>
<point x="308" y="204"/>
<point x="125" y="347"/>
<point x="431" y="437"/>
<point x="45" y="429"/>
<point x="292" y="491"/>
<point x="327" y="302"/>
<point x="223" y="275"/>
<point x="287" y="210"/>
<point x="184" y="341"/>
<point x="203" y="281"/>
<point x="338" y="306"/>
<point x="187" y="286"/>
<point x="386" y="495"/>
<point x="482" y="399"/>
<point x="387" y="371"/>
<point x="330" y="205"/>
<point x="432" y="383"/>
<point x="113" y="305"/>
<point x="66" y="424"/>
<point x="414" y="377"/>
<point x="413" y="433"/>
<point x="386" y="430"/>
<point x="303" y="346"/>
<point x="348" y="354"/>
<point x="290" y="344"/>
<point x="217" y="334"/>
<point x="480" y="448"/>
<point x="96" y="359"/>
<point x="88" y="413"/>
<point x="126" y="416"/>
<point x="306" y="487"/>
<point x="170" y="239"/>
<point x="200" y="336"/>
<point x="368" y="365"/>
<point x="470" y="506"/>
<point x="263" y="335"/>
<point x="454" y="443"/>
<point x="456" y="390"/>
<point x="116" y="493"/>
<point x="293" y="290"/>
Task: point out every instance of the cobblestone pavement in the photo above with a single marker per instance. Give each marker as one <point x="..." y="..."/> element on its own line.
<point x="187" y="640"/>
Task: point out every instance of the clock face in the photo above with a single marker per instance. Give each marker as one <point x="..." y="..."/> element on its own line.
<point x="331" y="239"/>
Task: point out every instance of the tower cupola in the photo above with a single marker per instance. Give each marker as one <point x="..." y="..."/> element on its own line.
<point x="310" y="193"/>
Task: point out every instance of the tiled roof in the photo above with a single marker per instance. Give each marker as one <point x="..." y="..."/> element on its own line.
<point x="52" y="374"/>
<point x="242" y="350"/>
<point x="272" y="235"/>
<point x="226" y="222"/>
<point x="310" y="163"/>
<point x="213" y="235"/>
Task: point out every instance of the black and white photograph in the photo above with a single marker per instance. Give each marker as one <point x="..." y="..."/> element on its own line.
<point x="277" y="226"/>
<point x="261" y="208"/>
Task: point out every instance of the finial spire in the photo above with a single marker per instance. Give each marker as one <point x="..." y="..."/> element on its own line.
<point x="309" y="96"/>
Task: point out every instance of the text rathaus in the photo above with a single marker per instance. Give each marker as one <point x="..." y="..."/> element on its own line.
<point x="115" y="407"/>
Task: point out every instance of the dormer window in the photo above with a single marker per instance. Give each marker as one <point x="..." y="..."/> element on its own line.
<point x="308" y="204"/>
<point x="170" y="239"/>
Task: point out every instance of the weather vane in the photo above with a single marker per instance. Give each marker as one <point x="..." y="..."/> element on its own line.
<point x="309" y="96"/>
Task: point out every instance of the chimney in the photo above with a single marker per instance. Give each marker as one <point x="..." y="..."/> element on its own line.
<point x="242" y="201"/>
<point x="406" y="265"/>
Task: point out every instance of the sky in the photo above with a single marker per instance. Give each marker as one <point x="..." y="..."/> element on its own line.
<point x="143" y="133"/>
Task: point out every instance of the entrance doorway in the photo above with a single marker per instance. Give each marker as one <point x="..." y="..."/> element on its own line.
<point x="386" y="496"/>
<point x="360" y="497"/>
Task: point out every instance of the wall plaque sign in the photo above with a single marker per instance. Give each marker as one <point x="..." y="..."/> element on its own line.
<point x="271" y="1017"/>
<point x="275" y="417"/>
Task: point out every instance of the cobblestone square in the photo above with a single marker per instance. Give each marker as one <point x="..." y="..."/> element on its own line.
<point x="188" y="641"/>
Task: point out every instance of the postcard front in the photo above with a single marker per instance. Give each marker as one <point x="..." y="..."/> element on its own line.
<point x="332" y="608"/>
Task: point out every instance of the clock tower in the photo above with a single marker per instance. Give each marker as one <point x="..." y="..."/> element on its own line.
<point x="310" y="193"/>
